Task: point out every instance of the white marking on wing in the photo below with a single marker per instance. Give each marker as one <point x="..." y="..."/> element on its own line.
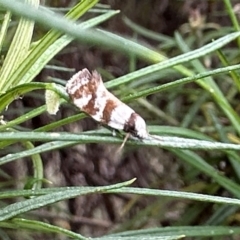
<point x="141" y="128"/>
<point x="102" y="95"/>
<point x="72" y="88"/>
<point x="75" y="83"/>
<point x="100" y="103"/>
<point x="83" y="101"/>
<point x="120" y="115"/>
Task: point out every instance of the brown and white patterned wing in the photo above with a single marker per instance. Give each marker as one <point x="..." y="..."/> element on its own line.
<point x="89" y="94"/>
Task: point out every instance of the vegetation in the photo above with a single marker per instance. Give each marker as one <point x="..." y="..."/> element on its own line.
<point x="188" y="95"/>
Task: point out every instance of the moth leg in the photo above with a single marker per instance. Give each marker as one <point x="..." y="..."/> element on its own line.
<point x="124" y="141"/>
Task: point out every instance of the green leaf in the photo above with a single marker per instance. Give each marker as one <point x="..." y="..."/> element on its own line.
<point x="48" y="47"/>
<point x="16" y="92"/>
<point x="39" y="226"/>
<point x="15" y="209"/>
<point x="188" y="231"/>
<point x="18" y="49"/>
<point x="154" y="140"/>
<point x="41" y="54"/>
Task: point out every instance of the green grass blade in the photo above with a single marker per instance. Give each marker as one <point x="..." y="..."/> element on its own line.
<point x="168" y="86"/>
<point x="18" y="49"/>
<point x="35" y="112"/>
<point x="15" y="209"/>
<point x="34" y="59"/>
<point x="37" y="167"/>
<point x="188" y="231"/>
<point x="209" y="85"/>
<point x="73" y="139"/>
<point x="39" y="226"/>
<point x="47" y="49"/>
<point x="200" y="164"/>
<point x="233" y="17"/>
<point x="219" y="43"/>
<point x="16" y="92"/>
<point x="162" y="141"/>
<point x="122" y="189"/>
<point x="3" y="31"/>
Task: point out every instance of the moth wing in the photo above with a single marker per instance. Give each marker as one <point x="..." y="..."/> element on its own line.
<point x="120" y="116"/>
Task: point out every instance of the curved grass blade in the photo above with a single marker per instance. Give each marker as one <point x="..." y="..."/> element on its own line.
<point x="188" y="231"/>
<point x="39" y="226"/>
<point x="16" y="92"/>
<point x="18" y="49"/>
<point x="73" y="139"/>
<point x="44" y="51"/>
<point x="15" y="209"/>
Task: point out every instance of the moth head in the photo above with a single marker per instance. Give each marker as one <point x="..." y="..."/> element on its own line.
<point x="136" y="126"/>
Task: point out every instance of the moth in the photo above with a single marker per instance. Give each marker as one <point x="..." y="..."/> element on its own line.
<point x="89" y="94"/>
